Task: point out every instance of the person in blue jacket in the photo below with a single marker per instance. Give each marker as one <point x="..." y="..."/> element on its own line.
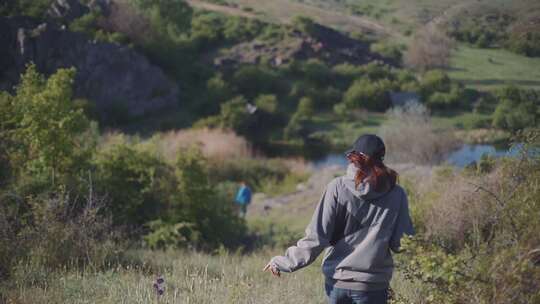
<point x="243" y="198"/>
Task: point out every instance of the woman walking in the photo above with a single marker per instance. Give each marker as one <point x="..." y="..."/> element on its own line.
<point x="360" y="219"/>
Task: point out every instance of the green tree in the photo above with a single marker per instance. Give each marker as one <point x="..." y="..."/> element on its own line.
<point x="517" y="109"/>
<point x="170" y="18"/>
<point x="268" y="103"/>
<point x="134" y="183"/>
<point x="46" y="122"/>
<point x="195" y="215"/>
<point x="305" y="24"/>
<point x="305" y="108"/>
<point x="370" y="95"/>
<point x="233" y="113"/>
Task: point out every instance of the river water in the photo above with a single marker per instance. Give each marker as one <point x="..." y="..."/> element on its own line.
<point x="461" y="157"/>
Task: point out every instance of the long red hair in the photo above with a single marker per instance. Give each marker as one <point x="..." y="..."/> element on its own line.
<point x="374" y="171"/>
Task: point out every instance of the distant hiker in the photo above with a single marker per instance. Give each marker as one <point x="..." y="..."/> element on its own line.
<point x="360" y="219"/>
<point x="243" y="198"/>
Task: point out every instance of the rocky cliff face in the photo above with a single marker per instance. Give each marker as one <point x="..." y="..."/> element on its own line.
<point x="112" y="76"/>
<point x="328" y="45"/>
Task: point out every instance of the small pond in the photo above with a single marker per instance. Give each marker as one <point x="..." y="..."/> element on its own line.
<point x="461" y="157"/>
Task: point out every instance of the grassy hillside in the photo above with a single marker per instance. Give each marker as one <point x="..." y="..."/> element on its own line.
<point x="492" y="68"/>
<point x="397" y="21"/>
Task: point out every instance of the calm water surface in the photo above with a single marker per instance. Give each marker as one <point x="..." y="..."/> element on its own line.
<point x="461" y="157"/>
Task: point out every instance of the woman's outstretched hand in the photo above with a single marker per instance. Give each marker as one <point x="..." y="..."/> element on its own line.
<point x="273" y="269"/>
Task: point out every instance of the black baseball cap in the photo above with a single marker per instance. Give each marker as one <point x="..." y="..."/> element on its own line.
<point x="370" y="145"/>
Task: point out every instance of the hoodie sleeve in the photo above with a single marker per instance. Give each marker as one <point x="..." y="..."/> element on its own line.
<point x="403" y="224"/>
<point x="317" y="235"/>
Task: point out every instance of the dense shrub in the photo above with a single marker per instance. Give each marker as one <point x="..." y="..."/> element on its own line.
<point x="54" y="230"/>
<point x="430" y="49"/>
<point x="370" y="95"/>
<point x="480" y="244"/>
<point x="32" y="8"/>
<point x="527" y="44"/>
<point x="132" y="181"/>
<point x="411" y="137"/>
<point x="305" y="24"/>
<point x="253" y="80"/>
<point x="517" y="109"/>
<point x="195" y="215"/>
<point x="45" y="126"/>
<point x="388" y="51"/>
<point x="440" y="93"/>
<point x="268" y="103"/>
<point x="238" y="29"/>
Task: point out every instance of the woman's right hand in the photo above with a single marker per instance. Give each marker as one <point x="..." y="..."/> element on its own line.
<point x="273" y="269"/>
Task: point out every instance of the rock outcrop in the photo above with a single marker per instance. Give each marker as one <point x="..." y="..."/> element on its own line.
<point x="110" y="75"/>
<point x="327" y="45"/>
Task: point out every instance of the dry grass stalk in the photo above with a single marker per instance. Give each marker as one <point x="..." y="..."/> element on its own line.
<point x="430" y="49"/>
<point x="215" y="144"/>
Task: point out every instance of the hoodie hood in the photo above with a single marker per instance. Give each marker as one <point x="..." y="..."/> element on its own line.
<point x="364" y="190"/>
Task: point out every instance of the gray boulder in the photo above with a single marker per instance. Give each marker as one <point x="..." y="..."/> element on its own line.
<point x="110" y="75"/>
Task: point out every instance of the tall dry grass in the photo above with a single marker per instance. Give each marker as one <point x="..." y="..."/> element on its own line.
<point x="410" y="136"/>
<point x="190" y="277"/>
<point x="215" y="144"/>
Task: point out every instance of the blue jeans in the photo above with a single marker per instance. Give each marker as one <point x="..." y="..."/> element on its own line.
<point x="349" y="296"/>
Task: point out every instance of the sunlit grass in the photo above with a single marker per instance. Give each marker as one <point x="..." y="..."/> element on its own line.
<point x="493" y="68"/>
<point x="189" y="278"/>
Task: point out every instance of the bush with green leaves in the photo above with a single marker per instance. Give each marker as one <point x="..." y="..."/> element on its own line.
<point x="478" y="241"/>
<point x="370" y="95"/>
<point x="527" y="43"/>
<point x="32" y="8"/>
<point x="55" y="230"/>
<point x="305" y="25"/>
<point x="517" y="109"/>
<point x="194" y="215"/>
<point x="44" y="126"/>
<point x="135" y="182"/>
<point x="254" y="80"/>
<point x="388" y="51"/>
<point x="268" y="103"/>
<point x="256" y="172"/>
<point x="440" y="93"/>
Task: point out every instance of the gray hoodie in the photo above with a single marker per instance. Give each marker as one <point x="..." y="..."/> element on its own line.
<point x="358" y="227"/>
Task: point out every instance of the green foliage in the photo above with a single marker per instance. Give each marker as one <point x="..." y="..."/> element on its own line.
<point x="498" y="248"/>
<point x="169" y="18"/>
<point x="489" y="30"/>
<point x="133" y="181"/>
<point x="269" y="234"/>
<point x="305" y="108"/>
<point x="46" y="124"/>
<point x="253" y="80"/>
<point x="517" y="109"/>
<point x="305" y="25"/>
<point x="195" y="216"/>
<point x="206" y="30"/>
<point x="431" y="265"/>
<point x="435" y="81"/>
<point x="217" y="91"/>
<point x="370" y="95"/>
<point x="238" y="29"/>
<point x="54" y="230"/>
<point x="32" y="8"/>
<point x="388" y="51"/>
<point x="256" y="172"/>
<point x="315" y="71"/>
<point x="268" y="103"/>
<point x="527" y="44"/>
<point x="233" y="114"/>
<point x="166" y="236"/>
<point x="439" y="93"/>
